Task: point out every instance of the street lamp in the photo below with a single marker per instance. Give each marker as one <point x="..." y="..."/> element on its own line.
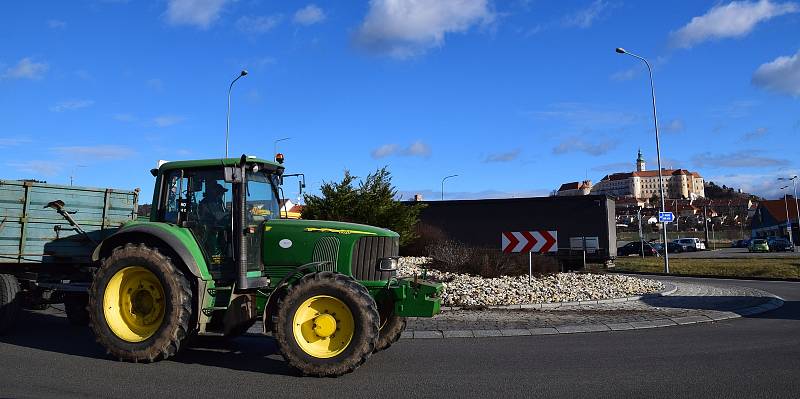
<point x="445" y="178"/>
<point x="620" y="50"/>
<point x="228" y="116"/>
<point x="275" y="145"/>
<point x="788" y="221"/>
<point x="796" y="207"/>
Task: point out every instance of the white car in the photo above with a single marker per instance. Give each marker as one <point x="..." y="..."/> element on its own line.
<point x="691" y="244"/>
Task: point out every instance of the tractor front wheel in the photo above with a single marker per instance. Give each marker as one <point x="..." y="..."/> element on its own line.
<point x="327" y="324"/>
<point x="140" y="304"/>
<point x="392" y="326"/>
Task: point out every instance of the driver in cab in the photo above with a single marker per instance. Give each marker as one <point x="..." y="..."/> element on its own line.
<point x="211" y="209"/>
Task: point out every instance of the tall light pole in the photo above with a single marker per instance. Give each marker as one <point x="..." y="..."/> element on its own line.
<point x="796" y="207"/>
<point x="275" y="145"/>
<point x="228" y="116"/>
<point x="788" y="221"/>
<point x="443" y="179"/>
<point x="658" y="150"/>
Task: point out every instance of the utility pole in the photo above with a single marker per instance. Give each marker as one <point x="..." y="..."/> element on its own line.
<point x="641" y="239"/>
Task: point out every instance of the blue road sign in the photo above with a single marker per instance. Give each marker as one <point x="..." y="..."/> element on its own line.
<point x="666" y="217"/>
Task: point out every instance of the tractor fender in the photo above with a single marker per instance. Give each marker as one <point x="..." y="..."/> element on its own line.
<point x="158" y="235"/>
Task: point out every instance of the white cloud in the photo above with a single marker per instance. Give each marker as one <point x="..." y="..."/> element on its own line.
<point x="674" y="126"/>
<point x="71" y="105"/>
<point x="26" y="68"/>
<point x="416" y="149"/>
<point x="168" y="120"/>
<point x="56" y="24"/>
<point x="406" y="28"/>
<point x="503" y="156"/>
<point x="37" y="167"/>
<point x="761" y="184"/>
<point x="123" y="117"/>
<point x="758" y="133"/>
<point x="782" y="75"/>
<point x="12" y="141"/>
<point x="735" y="19"/>
<point x="258" y="24"/>
<point x="309" y="15"/>
<point x="155" y="84"/>
<point x="385" y="151"/>
<point x="626" y="74"/>
<point x="198" y="13"/>
<point x="740" y="159"/>
<point x="585" y="17"/>
<point x="97" y="152"/>
<point x="577" y="144"/>
<point x="583" y="114"/>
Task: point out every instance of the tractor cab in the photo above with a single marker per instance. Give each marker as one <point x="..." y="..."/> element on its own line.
<point x="224" y="203"/>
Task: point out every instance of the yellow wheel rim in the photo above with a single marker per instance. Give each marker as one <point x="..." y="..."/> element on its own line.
<point x="323" y="326"/>
<point x="133" y="304"/>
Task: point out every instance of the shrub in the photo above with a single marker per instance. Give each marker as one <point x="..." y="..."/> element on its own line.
<point x="453" y="256"/>
<point x="372" y="202"/>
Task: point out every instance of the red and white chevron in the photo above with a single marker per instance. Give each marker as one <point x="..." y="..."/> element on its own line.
<point x="530" y="241"/>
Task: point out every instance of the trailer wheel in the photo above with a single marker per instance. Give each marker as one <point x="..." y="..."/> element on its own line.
<point x="76" y="307"/>
<point x="140" y="304"/>
<point x="327" y="324"/>
<point x="9" y="302"/>
<point x="392" y="326"/>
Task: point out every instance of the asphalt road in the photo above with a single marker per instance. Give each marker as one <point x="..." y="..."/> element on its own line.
<point x="732" y="253"/>
<point x="749" y="358"/>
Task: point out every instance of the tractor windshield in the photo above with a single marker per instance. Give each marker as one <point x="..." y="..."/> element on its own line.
<point x="262" y="200"/>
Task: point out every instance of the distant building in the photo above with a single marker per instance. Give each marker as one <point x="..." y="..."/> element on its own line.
<point x="770" y="218"/>
<point x="644" y="184"/>
<point x="575" y="188"/>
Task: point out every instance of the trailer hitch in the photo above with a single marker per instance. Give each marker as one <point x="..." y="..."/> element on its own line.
<point x="58" y="205"/>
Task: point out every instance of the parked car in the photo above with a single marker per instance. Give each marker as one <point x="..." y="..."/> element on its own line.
<point x="780" y="245"/>
<point x="671" y="246"/>
<point x="635" y="248"/>
<point x="758" y="245"/>
<point x="691" y="244"/>
<point x="740" y="243"/>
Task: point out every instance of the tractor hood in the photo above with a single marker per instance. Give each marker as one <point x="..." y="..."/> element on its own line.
<point x="328" y="227"/>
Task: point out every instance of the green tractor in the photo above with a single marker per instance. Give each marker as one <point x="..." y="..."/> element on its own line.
<point x="216" y="256"/>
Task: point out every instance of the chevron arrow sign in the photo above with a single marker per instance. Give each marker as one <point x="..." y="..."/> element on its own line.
<point x="539" y="241"/>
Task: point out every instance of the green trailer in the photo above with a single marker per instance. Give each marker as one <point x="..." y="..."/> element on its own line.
<point x="213" y="258"/>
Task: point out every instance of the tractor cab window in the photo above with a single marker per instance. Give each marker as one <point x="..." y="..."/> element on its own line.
<point x="208" y="203"/>
<point x="262" y="201"/>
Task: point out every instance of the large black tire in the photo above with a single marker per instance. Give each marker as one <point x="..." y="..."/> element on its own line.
<point x="166" y="340"/>
<point x="76" y="306"/>
<point x="365" y="316"/>
<point x="390" y="330"/>
<point x="9" y="302"/>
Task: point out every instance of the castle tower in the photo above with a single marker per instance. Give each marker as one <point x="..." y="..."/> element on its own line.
<point x="640" y="162"/>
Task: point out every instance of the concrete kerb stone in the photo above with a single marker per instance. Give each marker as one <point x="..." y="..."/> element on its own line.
<point x="772" y="303"/>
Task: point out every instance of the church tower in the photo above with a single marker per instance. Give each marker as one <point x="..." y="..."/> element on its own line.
<point x="640" y="162"/>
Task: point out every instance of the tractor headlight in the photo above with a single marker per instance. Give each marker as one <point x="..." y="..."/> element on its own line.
<point x="387" y="264"/>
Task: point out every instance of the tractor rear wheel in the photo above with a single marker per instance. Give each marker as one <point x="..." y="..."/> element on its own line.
<point x="140" y="304"/>
<point x="9" y="302"/>
<point x="327" y="324"/>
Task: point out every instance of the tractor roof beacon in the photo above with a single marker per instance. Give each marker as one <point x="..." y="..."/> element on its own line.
<point x="216" y="256"/>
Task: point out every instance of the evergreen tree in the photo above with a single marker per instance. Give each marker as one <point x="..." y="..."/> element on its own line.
<point x="372" y="202"/>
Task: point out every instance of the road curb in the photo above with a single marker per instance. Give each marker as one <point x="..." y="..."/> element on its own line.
<point x="668" y="289"/>
<point x="774" y="302"/>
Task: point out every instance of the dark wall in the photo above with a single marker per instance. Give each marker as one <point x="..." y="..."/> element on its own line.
<point x="481" y="222"/>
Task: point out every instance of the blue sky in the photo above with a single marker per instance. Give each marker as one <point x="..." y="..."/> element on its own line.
<point x="515" y="96"/>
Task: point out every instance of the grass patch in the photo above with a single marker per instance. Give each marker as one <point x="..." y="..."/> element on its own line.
<point x="771" y="268"/>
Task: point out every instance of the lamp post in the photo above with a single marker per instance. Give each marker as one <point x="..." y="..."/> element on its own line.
<point x="443" y="179"/>
<point x="658" y="150"/>
<point x="275" y="145"/>
<point x="788" y="221"/>
<point x="796" y="207"/>
<point x="228" y="116"/>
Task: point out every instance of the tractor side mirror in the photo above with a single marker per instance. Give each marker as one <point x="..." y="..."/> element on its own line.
<point x="233" y="175"/>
